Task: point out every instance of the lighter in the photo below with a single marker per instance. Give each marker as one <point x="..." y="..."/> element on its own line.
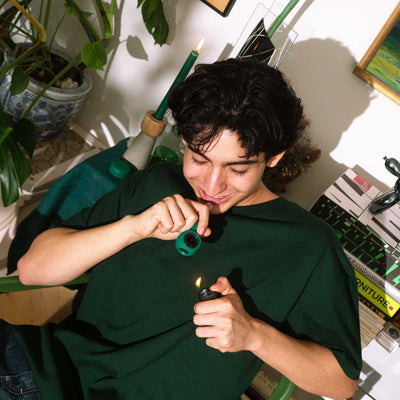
<point x="206" y="293"/>
<point x="187" y="243"/>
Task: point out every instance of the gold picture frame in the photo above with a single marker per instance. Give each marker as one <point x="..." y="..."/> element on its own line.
<point x="380" y="66"/>
<point x="220" y="6"/>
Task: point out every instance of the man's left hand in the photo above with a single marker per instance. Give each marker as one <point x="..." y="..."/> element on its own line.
<point x="223" y="322"/>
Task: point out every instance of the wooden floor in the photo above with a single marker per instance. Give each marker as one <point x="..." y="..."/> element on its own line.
<point x="36" y="307"/>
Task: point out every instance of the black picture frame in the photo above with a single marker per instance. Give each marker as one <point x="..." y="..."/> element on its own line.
<point x="222" y="7"/>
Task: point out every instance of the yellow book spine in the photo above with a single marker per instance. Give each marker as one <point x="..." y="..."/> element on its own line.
<point x="376" y="295"/>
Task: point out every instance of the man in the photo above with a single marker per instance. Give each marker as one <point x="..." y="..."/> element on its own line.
<point x="289" y="296"/>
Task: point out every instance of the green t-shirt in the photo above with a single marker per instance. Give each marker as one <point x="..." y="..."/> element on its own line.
<point x="131" y="335"/>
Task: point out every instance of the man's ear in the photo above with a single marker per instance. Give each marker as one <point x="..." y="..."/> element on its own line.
<point x="271" y="163"/>
<point x="183" y="142"/>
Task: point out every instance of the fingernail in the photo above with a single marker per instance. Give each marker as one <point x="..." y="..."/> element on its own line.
<point x="209" y="205"/>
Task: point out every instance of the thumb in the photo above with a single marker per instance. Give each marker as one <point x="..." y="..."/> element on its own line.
<point x="223" y="286"/>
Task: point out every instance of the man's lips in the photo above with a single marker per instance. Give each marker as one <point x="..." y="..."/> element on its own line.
<point x="211" y="199"/>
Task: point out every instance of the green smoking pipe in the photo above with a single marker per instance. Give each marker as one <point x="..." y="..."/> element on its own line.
<point x="187" y="243"/>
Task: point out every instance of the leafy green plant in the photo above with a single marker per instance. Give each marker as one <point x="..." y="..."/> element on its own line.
<point x="18" y="138"/>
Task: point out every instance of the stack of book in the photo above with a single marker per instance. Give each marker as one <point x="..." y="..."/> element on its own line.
<point x="378" y="296"/>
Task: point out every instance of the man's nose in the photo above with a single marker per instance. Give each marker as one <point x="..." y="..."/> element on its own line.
<point x="215" y="182"/>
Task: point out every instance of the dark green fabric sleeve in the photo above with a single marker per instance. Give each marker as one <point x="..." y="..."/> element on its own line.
<point x="328" y="309"/>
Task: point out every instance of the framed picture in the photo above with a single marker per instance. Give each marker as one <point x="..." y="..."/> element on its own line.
<point x="380" y="66"/>
<point x="220" y="6"/>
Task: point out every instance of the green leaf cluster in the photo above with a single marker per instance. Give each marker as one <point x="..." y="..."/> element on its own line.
<point x="17" y="142"/>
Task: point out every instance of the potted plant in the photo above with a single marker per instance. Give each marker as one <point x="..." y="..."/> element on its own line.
<point x="31" y="64"/>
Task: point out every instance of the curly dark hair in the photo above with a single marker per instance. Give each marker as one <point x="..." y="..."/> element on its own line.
<point x="246" y="97"/>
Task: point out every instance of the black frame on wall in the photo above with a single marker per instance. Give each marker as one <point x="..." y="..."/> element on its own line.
<point x="222" y="7"/>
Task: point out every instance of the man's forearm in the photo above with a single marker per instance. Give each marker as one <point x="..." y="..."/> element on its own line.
<point x="59" y="255"/>
<point x="309" y="365"/>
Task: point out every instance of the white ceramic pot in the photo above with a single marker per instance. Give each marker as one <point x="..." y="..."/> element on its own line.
<point x="54" y="109"/>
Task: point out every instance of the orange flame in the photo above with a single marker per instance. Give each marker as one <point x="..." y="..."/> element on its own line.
<point x="199" y="46"/>
<point x="198" y="281"/>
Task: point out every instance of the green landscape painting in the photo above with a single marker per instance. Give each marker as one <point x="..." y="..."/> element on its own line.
<point x="385" y="65"/>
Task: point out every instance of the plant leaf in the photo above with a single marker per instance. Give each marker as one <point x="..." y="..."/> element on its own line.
<point x="14" y="166"/>
<point x="6" y="122"/>
<point x="112" y="6"/>
<point x="158" y="28"/>
<point x="94" y="55"/>
<point x="22" y="167"/>
<point x="155" y="21"/>
<point x="106" y="18"/>
<point x="25" y="134"/>
<point x="149" y="7"/>
<point x="9" y="183"/>
<point x="19" y="81"/>
<point x="74" y="13"/>
<point x="74" y="10"/>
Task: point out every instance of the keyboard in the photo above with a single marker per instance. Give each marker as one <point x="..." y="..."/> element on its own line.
<point x="360" y="240"/>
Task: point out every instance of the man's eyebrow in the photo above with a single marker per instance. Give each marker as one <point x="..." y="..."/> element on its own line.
<point x="244" y="162"/>
<point x="239" y="162"/>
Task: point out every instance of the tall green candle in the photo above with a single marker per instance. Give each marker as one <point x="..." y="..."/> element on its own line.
<point x="278" y="21"/>
<point x="179" y="78"/>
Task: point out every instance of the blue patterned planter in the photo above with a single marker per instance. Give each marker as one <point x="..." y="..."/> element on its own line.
<point x="54" y="109"/>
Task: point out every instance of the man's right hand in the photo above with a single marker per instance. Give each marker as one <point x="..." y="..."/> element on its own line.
<point x="171" y="216"/>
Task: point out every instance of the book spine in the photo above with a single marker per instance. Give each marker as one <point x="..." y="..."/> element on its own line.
<point x="373" y="308"/>
<point x="376" y="296"/>
<point x="263" y="383"/>
<point x="373" y="277"/>
<point x="371" y="323"/>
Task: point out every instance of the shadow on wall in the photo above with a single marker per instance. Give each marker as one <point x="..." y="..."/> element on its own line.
<point x="320" y="70"/>
<point x="116" y="118"/>
<point x="114" y="124"/>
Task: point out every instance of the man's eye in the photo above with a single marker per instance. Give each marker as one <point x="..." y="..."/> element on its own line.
<point x="199" y="162"/>
<point x="239" y="172"/>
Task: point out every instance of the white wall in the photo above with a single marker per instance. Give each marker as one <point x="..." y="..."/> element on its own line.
<point x="352" y="123"/>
